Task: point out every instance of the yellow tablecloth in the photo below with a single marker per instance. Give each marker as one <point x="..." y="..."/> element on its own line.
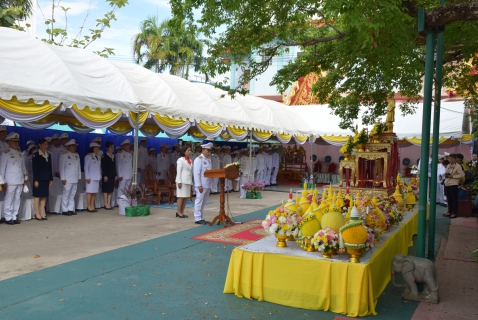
<point x="341" y="287"/>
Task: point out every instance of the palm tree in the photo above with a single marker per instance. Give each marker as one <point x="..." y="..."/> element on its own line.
<point x="168" y="46"/>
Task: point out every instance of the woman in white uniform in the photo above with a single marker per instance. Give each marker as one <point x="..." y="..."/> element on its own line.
<point x="92" y="170"/>
<point x="184" y="180"/>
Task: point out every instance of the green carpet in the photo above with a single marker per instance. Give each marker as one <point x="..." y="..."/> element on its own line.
<point x="171" y="277"/>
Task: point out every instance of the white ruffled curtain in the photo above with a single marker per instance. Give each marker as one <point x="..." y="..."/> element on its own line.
<point x="120" y="132"/>
<point x="177" y="131"/>
<point x="37" y="126"/>
<point x="298" y="141"/>
<point x="282" y="140"/>
<point x="6" y="114"/>
<point x="79" y="129"/>
<point x="211" y="135"/>
<point x="150" y="134"/>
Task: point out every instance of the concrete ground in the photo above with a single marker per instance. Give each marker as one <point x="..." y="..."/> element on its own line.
<point x="105" y="266"/>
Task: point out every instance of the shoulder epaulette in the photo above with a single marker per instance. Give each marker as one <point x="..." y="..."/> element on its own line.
<point x="7" y="151"/>
<point x="64" y="152"/>
<point x="200" y="156"/>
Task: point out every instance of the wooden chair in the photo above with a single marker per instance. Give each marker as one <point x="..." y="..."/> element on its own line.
<point x="332" y="168"/>
<point x="318" y="167"/>
<point x="160" y="187"/>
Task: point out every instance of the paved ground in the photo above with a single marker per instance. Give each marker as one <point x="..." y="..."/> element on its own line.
<point x="103" y="266"/>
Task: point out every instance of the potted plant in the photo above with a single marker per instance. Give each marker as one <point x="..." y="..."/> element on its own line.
<point x="136" y="198"/>
<point x="378" y="128"/>
<point x="361" y="138"/>
<point x="346" y="149"/>
<point x="257" y="187"/>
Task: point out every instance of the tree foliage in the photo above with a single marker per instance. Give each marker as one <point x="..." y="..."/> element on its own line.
<point x="58" y="35"/>
<point x="12" y="11"/>
<point x="168" y="46"/>
<point x="364" y="50"/>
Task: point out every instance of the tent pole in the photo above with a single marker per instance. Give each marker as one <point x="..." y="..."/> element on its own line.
<point x="250" y="155"/>
<point x="135" y="154"/>
<point x="310" y="157"/>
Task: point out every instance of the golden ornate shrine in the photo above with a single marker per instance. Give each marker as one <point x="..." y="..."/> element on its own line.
<point x="300" y="94"/>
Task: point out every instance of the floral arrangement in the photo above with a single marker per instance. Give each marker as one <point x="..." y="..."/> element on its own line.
<point x="237" y="164"/>
<point x="139" y="195"/>
<point x="282" y="222"/>
<point x="325" y="240"/>
<point x="370" y="243"/>
<point x="390" y="209"/>
<point x="253" y="186"/>
<point x="378" y="128"/>
<point x="348" y="146"/>
<point x="361" y="137"/>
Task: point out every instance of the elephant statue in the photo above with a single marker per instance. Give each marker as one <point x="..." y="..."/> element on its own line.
<point x="416" y="270"/>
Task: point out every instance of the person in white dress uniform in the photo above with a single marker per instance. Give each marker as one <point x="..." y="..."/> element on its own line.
<point x="27" y="149"/>
<point x="441" y="170"/>
<point x="245" y="171"/>
<point x="3" y="141"/>
<point x="275" y="165"/>
<point x="260" y="165"/>
<point x="57" y="151"/>
<point x="163" y="163"/>
<point x="184" y="180"/>
<point x="92" y="169"/>
<point x="216" y="164"/>
<point x="124" y="167"/>
<point x="226" y="159"/>
<point x="13" y="176"/>
<point x="100" y="153"/>
<point x="268" y="171"/>
<point x="142" y="160"/>
<point x="152" y="160"/>
<point x="235" y="183"/>
<point x="70" y="175"/>
<point x="201" y="183"/>
<point x="175" y="155"/>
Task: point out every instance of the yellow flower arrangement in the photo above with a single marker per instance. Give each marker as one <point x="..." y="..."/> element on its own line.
<point x="378" y="128"/>
<point x="348" y="146"/>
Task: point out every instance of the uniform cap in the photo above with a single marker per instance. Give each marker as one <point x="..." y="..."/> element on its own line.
<point x="48" y="139"/>
<point x="30" y="142"/>
<point x="71" y="142"/>
<point x="32" y="146"/>
<point x="152" y="149"/>
<point x="3" y="128"/>
<point x="125" y="142"/>
<point x="446" y="154"/>
<point x="97" y="139"/>
<point x="13" y="136"/>
<point x="55" y="136"/>
<point x="118" y="147"/>
<point x="207" y="145"/>
<point x="143" y="139"/>
<point x="94" y="144"/>
<point x="64" y="136"/>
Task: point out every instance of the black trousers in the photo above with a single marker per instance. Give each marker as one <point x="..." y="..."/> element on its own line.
<point x="451" y="193"/>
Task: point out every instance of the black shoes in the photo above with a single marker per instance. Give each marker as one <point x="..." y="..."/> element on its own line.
<point x="108" y="208"/>
<point x="16" y="221"/>
<point x="66" y="214"/>
<point x="44" y="218"/>
<point x="201" y="222"/>
<point x="72" y="213"/>
<point x="39" y="219"/>
<point x="10" y="222"/>
<point x="90" y="210"/>
<point x="183" y="216"/>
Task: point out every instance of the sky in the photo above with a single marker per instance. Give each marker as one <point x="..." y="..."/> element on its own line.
<point x="119" y="36"/>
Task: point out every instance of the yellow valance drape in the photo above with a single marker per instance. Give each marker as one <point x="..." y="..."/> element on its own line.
<point x="121" y="126"/>
<point x="263" y="135"/>
<point x="301" y="138"/>
<point x="150" y="128"/>
<point x="29" y="108"/>
<point x="97" y="115"/>
<point x="209" y="128"/>
<point x="169" y="122"/>
<point x="236" y="131"/>
<point x="284" y="136"/>
<point x="225" y="135"/>
<point x="335" y="139"/>
<point x="142" y="116"/>
<point x="196" y="133"/>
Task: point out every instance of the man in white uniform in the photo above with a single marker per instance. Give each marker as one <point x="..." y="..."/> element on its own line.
<point x="13" y="176"/>
<point x="152" y="160"/>
<point x="142" y="160"/>
<point x="175" y="155"/>
<point x="275" y="166"/>
<point x="268" y="163"/>
<point x="235" y="183"/>
<point x="245" y="171"/>
<point x="226" y="159"/>
<point x="57" y="151"/>
<point x="70" y="175"/>
<point x="216" y="164"/>
<point x="3" y="142"/>
<point x="27" y="149"/>
<point x="201" y="183"/>
<point x="441" y="170"/>
<point x="163" y="163"/>
<point x="125" y="167"/>
<point x="260" y="165"/>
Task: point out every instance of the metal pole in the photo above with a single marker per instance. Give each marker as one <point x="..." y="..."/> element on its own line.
<point x="311" y="160"/>
<point x="250" y="156"/>
<point x="135" y="153"/>
<point x="436" y="133"/>
<point x="427" y="103"/>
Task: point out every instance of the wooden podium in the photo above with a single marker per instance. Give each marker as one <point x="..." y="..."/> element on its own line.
<point x="231" y="173"/>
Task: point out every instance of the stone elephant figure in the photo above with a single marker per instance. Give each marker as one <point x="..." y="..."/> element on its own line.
<point x="416" y="270"/>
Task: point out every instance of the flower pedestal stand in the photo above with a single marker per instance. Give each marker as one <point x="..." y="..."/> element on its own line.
<point x="137" y="211"/>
